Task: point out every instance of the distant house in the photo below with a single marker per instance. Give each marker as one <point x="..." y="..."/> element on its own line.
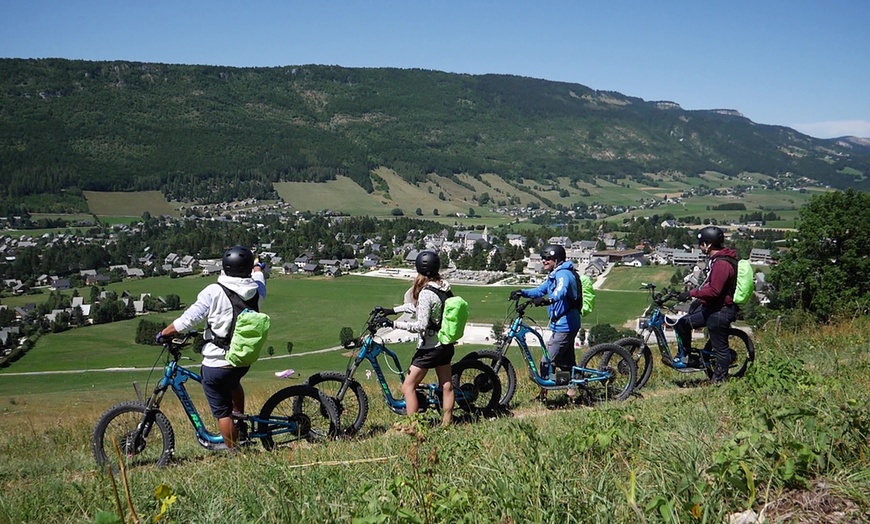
<point x="312" y="269"/>
<point x="371" y="262"/>
<point x="135" y="272"/>
<point x="211" y="269"/>
<point x="618" y="255"/>
<point x="596" y="267"/>
<point x="26" y="309"/>
<point x="760" y="256"/>
<point x="97" y="280"/>
<point x="516" y="240"/>
<point x="60" y="284"/>
<point x="188" y="261"/>
<point x="638" y="261"/>
<point x="686" y="258"/>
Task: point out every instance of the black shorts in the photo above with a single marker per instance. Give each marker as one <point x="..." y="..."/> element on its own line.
<point x="218" y="384"/>
<point x="433" y="357"/>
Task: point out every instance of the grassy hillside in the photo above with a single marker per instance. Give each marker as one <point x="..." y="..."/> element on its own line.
<point x="212" y="134"/>
<point x="790" y="439"/>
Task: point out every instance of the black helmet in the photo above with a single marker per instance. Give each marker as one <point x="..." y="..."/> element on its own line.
<point x="238" y="261"/>
<point x="554" y="251"/>
<point x="428" y="263"/>
<point x="712" y="235"/>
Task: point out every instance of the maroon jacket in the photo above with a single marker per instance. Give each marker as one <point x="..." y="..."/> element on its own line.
<point x="718" y="288"/>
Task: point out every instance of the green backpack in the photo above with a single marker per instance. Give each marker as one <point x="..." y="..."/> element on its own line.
<point x="454" y="316"/>
<point x="248" y="332"/>
<point x="588" y="295"/>
<point x="745" y="286"/>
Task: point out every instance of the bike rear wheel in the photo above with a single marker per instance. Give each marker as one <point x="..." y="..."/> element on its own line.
<point x="741" y="344"/>
<point x="477" y="387"/>
<point x="642" y="356"/>
<point x="506" y="373"/>
<point x="297" y="413"/>
<point x="353" y="408"/>
<point x="140" y="441"/>
<point x="618" y="366"/>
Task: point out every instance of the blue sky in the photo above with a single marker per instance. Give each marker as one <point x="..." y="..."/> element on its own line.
<point x="799" y="63"/>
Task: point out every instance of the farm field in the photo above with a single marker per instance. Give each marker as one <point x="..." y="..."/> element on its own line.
<point x="346" y="196"/>
<point x="304" y="311"/>
<point x="132" y="204"/>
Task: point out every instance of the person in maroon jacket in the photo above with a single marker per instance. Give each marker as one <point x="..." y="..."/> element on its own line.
<point x="715" y="299"/>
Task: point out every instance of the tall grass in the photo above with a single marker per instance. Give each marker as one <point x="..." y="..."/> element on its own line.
<point x="798" y="423"/>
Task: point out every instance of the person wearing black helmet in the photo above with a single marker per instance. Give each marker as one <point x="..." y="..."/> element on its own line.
<point x="425" y="307"/>
<point x="715" y="297"/>
<point x="220" y="380"/>
<point x="560" y="291"/>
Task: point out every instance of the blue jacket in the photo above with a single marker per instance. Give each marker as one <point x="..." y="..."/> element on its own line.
<point x="561" y="286"/>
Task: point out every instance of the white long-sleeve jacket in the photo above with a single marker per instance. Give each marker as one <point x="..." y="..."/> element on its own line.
<point x="213" y="305"/>
<point x="428" y="306"/>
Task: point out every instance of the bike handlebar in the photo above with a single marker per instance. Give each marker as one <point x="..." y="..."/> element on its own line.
<point x="521" y="307"/>
<point x="179" y="341"/>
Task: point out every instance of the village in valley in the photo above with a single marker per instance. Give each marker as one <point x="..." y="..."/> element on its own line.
<point x="370" y="257"/>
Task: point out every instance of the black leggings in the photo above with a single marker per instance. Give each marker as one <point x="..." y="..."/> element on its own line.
<point x="717" y="322"/>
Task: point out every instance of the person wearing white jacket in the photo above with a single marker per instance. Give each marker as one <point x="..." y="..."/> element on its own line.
<point x="220" y="380"/>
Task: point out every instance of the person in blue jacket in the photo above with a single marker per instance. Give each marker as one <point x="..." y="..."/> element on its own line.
<point x="561" y="293"/>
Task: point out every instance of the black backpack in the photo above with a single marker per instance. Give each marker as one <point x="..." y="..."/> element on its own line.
<point x="239" y="305"/>
<point x="577" y="302"/>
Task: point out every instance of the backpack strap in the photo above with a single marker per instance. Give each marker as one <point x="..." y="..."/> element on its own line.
<point x="239" y="305"/>
<point x="577" y="303"/>
<point x="733" y="261"/>
<point x="442" y="296"/>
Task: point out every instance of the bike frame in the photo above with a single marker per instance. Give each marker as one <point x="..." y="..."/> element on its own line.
<point x="518" y="331"/>
<point x="655" y="324"/>
<point x="174" y="378"/>
<point x="370" y="350"/>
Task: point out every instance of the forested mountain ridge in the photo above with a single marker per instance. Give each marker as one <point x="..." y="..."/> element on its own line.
<point x="212" y="133"/>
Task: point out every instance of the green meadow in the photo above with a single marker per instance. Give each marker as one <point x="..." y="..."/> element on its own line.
<point x="789" y="439"/>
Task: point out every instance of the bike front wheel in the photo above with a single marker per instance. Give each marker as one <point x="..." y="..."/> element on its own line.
<point x="353" y="408"/>
<point x="476" y="387"/>
<point x="297" y="413"/>
<point x="503" y="368"/>
<point x="642" y="356"/>
<point x="140" y="439"/>
<point x="615" y="373"/>
<point x="742" y="351"/>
